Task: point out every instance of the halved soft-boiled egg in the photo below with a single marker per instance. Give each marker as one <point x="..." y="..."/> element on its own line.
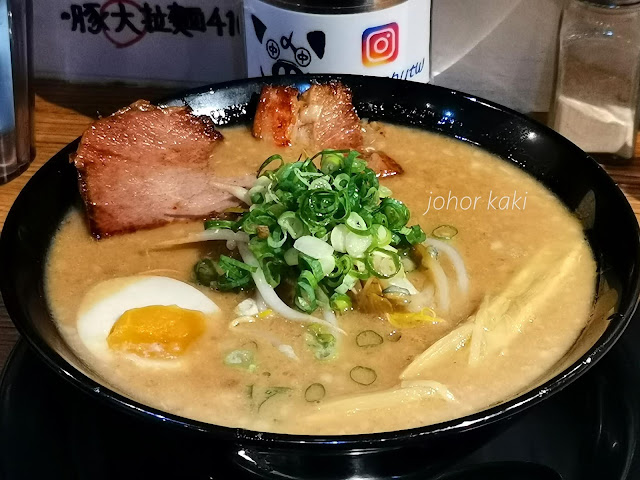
<point x="146" y="316"/>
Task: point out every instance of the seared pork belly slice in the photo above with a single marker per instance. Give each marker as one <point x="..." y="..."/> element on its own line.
<point x="383" y="164"/>
<point x="277" y="114"/>
<point x="328" y="118"/>
<point x="322" y="117"/>
<point x="143" y="166"/>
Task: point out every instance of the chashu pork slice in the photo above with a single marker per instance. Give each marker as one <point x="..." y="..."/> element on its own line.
<point x="328" y="118"/>
<point x="277" y="115"/>
<point x="144" y="166"/>
<point x="383" y="164"/>
<point x="323" y="117"/>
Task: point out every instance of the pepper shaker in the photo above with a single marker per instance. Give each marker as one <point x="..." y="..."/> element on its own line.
<point x="16" y="94"/>
<point x="598" y="78"/>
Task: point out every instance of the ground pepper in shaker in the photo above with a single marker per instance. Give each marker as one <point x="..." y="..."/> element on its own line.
<point x="596" y="98"/>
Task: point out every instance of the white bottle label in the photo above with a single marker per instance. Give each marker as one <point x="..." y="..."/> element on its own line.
<point x="393" y="42"/>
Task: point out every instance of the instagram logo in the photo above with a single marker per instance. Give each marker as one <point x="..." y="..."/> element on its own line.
<point x="380" y="45"/>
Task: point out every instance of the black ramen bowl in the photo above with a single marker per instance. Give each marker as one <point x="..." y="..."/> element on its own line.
<point x="577" y="180"/>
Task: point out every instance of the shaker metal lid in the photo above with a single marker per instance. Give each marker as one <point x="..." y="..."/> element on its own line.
<point x="333" y="7"/>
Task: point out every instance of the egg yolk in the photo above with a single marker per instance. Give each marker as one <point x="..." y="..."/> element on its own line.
<point x="156" y="331"/>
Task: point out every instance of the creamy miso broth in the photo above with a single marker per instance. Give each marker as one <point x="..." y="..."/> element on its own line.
<point x="507" y="221"/>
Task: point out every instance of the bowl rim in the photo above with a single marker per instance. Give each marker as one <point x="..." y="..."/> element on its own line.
<point x="470" y="422"/>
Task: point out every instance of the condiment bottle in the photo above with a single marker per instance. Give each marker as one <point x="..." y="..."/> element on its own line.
<point x="368" y="37"/>
<point x="16" y="93"/>
<point x="596" y="98"/>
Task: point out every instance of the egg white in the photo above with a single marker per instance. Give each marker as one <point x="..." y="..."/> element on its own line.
<point x="105" y="303"/>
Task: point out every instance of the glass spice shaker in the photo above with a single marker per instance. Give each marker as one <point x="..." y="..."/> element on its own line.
<point x="598" y="81"/>
<point x="16" y="91"/>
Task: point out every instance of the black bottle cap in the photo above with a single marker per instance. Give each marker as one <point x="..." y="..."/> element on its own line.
<point x="333" y="6"/>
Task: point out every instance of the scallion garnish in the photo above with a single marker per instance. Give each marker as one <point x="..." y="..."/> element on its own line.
<point x="368" y="338"/>
<point x="205" y="272"/>
<point x="241" y="359"/>
<point x="209" y="224"/>
<point x="363" y="375"/>
<point x="340" y="302"/>
<point x="320" y="341"/>
<point x="314" y="392"/>
<point x="326" y="228"/>
<point x="444" y="232"/>
<point x="383" y="263"/>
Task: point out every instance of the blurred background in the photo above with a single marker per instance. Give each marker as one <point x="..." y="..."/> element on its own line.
<point x="503" y="50"/>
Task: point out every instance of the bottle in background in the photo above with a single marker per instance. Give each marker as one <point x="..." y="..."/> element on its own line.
<point x="596" y="99"/>
<point x="384" y="38"/>
<point x="16" y="96"/>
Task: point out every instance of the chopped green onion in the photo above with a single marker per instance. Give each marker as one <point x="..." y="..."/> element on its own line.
<point x="356" y="224"/>
<point x="241" y="359"/>
<point x="317" y="207"/>
<point x="314" y="392"/>
<point x="328" y="264"/>
<point x="340" y="302"/>
<point x="236" y="274"/>
<point x="314" y="247"/>
<point x="205" y="271"/>
<point x="306" y="292"/>
<point x="271" y="392"/>
<point x="277" y="238"/>
<point x="415" y="235"/>
<point x="360" y="269"/>
<point x="444" y="232"/>
<point x="290" y="223"/>
<point x="381" y="235"/>
<point x="363" y="375"/>
<point x="341" y="181"/>
<point x="396" y="212"/>
<point x="395" y="290"/>
<point x="368" y="338"/>
<point x="384" y="192"/>
<point x="343" y="265"/>
<point x="229" y="264"/>
<point x="269" y="160"/>
<point x="291" y="257"/>
<point x="320" y="183"/>
<point x="358" y="166"/>
<point x="271" y="268"/>
<point x="339" y="238"/>
<point x="209" y="224"/>
<point x="252" y="344"/>
<point x="383" y="263"/>
<point x="311" y="265"/>
<point x="348" y="282"/>
<point x="331" y="162"/>
<point x="320" y="341"/>
<point x="356" y="245"/>
<point x="326" y="227"/>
